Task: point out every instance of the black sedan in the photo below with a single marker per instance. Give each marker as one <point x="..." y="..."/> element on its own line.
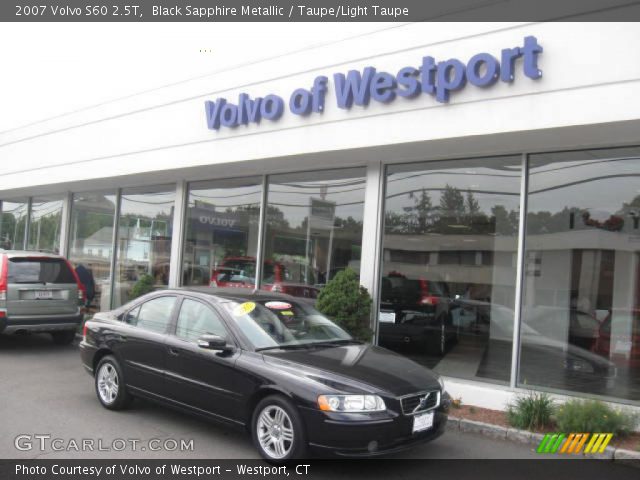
<point x="267" y="363"/>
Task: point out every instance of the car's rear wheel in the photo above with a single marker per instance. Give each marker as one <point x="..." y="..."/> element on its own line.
<point x="277" y="430"/>
<point x="110" y="386"/>
<point x="64" y="337"/>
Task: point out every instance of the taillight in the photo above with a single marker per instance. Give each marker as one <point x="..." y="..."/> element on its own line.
<point x="84" y="331"/>
<point x="4" y="274"/>
<point x="429" y="300"/>
<point x="82" y="291"/>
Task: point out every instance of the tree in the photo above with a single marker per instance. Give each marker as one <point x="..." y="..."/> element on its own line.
<point x="348" y="303"/>
<point x="472" y="205"/>
<point x="452" y="203"/>
<point x="420" y="215"/>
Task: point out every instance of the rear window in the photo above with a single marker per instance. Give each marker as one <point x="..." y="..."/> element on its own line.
<point x="39" y="270"/>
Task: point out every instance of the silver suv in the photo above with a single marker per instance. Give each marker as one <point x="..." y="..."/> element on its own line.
<point x="39" y="292"/>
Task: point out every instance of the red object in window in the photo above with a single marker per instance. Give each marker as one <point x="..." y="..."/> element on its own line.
<point x="82" y="290"/>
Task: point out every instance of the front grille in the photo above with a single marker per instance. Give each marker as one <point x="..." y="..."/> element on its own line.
<point x="418" y="403"/>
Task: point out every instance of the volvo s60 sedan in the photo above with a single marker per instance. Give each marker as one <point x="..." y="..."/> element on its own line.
<point x="267" y="363"/>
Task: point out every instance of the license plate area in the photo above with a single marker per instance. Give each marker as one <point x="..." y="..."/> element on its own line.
<point x="422" y="421"/>
<point x="43" y="294"/>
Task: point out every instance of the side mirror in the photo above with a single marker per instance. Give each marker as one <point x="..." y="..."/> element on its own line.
<point x="214" y="342"/>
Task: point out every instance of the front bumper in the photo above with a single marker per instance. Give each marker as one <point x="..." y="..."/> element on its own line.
<point x="369" y="438"/>
<point x="40" y="323"/>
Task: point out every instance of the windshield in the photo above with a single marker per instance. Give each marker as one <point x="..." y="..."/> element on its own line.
<point x="273" y="324"/>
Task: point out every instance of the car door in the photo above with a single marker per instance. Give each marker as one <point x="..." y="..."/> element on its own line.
<point x="141" y="343"/>
<point x="202" y="378"/>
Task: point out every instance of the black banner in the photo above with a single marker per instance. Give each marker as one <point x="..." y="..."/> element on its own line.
<point x="317" y="10"/>
<point x="316" y="469"/>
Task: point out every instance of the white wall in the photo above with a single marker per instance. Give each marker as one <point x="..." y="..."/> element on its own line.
<point x="589" y="78"/>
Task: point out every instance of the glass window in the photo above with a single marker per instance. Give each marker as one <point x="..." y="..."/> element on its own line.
<point x="90" y="244"/>
<point x="222" y="233"/>
<point x="268" y="324"/>
<point x="448" y="273"/>
<point x="132" y="316"/>
<point x="313" y="230"/>
<point x="197" y="319"/>
<point x="12" y="225"/>
<point x="144" y="241"/>
<point x="582" y="274"/>
<point x="40" y="270"/>
<point x="155" y="314"/>
<point x="46" y="219"/>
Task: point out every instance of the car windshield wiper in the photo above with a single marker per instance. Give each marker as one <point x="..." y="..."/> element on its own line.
<point x="325" y="343"/>
<point x="336" y="343"/>
<point x="283" y="347"/>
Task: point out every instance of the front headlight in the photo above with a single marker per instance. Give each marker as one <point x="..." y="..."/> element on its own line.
<point x="441" y="382"/>
<point x="351" y="403"/>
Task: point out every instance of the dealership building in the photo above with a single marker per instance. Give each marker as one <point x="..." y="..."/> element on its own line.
<point x="482" y="179"/>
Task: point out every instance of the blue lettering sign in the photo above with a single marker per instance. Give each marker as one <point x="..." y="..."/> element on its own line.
<point x="438" y="79"/>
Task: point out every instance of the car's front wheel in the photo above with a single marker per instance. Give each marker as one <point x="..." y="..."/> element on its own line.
<point x="110" y="386"/>
<point x="277" y="430"/>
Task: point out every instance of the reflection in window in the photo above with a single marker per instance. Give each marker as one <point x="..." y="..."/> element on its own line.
<point x="12" y="225"/>
<point x="144" y="241"/>
<point x="582" y="274"/>
<point x="448" y="274"/>
<point x="313" y="230"/>
<point x="222" y="233"/>
<point x="90" y="244"/>
<point x="197" y="319"/>
<point x="46" y="219"/>
<point x="155" y="314"/>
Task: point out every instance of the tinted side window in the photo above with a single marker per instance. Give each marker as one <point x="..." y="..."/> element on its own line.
<point x="197" y="319"/>
<point x="155" y="314"/>
<point x="39" y="270"/>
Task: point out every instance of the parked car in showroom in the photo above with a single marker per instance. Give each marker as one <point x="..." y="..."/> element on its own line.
<point x="619" y="338"/>
<point x="240" y="272"/>
<point x="298" y="386"/>
<point x="39" y="292"/>
<point x="416" y="314"/>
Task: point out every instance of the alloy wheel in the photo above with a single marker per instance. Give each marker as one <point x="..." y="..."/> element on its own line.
<point x="108" y="383"/>
<point x="275" y="432"/>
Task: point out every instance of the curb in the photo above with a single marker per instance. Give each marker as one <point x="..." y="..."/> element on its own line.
<point x="613" y="454"/>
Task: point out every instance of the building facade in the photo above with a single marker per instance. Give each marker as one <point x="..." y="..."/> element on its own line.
<point x="486" y="191"/>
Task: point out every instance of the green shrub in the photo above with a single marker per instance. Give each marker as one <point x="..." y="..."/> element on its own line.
<point x="345" y="301"/>
<point x="142" y="286"/>
<point x="532" y="411"/>
<point x="594" y="416"/>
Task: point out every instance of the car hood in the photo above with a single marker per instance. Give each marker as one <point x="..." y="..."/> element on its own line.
<point x="374" y="367"/>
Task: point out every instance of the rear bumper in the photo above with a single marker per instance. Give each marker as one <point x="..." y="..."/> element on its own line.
<point x="87" y="354"/>
<point x="368" y="439"/>
<point x="40" y="323"/>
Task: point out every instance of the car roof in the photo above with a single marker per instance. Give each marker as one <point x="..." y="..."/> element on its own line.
<point x="239" y="294"/>
<point x="29" y="253"/>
